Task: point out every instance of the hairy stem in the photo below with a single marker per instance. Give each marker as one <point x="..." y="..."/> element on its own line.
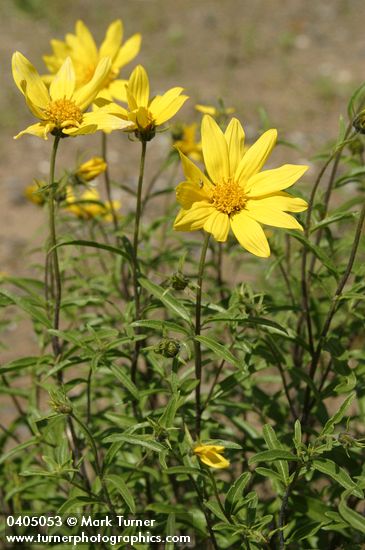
<point x="197" y="347"/>
<point x="135" y="268"/>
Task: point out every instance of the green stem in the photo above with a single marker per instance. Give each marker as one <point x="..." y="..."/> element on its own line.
<point x="98" y="466"/>
<point x="107" y="181"/>
<point x="197" y="347"/>
<point x="52" y="250"/>
<point x="135" y="257"/>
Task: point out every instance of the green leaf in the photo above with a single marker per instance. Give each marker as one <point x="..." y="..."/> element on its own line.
<point x="333" y="219"/>
<point x="257" y="321"/>
<point x="235" y="492"/>
<point x="273" y="443"/>
<point x="125" y="381"/>
<point x="174" y="305"/>
<point x="271" y="474"/>
<point x="220" y="351"/>
<point x="122" y="488"/>
<point x="356" y="520"/>
<point x="318" y="252"/>
<point x="272" y="456"/>
<point x="26" y="362"/>
<point x="330" y="468"/>
<point x="18" y="448"/>
<point x="143" y="441"/>
<point x="94" y="244"/>
<point x="161" y="326"/>
<point x="338" y="416"/>
<point x="30" y="305"/>
<point x="168" y="416"/>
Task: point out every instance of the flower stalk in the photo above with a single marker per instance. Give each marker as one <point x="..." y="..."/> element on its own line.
<point x="197" y="347"/>
<point x="135" y="268"/>
<point x="52" y="252"/>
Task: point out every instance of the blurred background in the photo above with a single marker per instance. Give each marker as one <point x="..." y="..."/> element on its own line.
<point x="290" y="65"/>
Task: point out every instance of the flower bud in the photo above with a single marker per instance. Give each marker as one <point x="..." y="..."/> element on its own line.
<point x="60" y="402"/>
<point x="168" y="347"/>
<point x="359" y="122"/>
<point x="178" y="281"/>
<point x="91" y="169"/>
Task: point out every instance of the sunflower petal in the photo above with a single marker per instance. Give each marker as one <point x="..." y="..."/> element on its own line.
<point x="254" y="159"/>
<point x="28" y="80"/>
<point x="139" y="86"/>
<point x="283" y="201"/>
<point x="128" y="51"/>
<point x="215" y="150"/>
<point x="250" y="234"/>
<point x="188" y="192"/>
<point x="112" y="41"/>
<point x="272" y="181"/>
<point x="271" y="216"/>
<point x="83" y="44"/>
<point x="86" y="95"/>
<point x="40" y="129"/>
<point x="63" y="84"/>
<point x="218" y="225"/>
<point x="194" y="218"/>
<point x="235" y="138"/>
<point x="194" y="174"/>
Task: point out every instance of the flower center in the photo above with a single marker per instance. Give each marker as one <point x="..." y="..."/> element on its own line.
<point x="228" y="197"/>
<point x="63" y="113"/>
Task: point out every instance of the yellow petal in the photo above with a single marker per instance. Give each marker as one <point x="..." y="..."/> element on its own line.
<point x="215" y="150"/>
<point x="194" y="174"/>
<point x="128" y="51"/>
<point x="218" y="225"/>
<point x="99" y="120"/>
<point x="235" y="138"/>
<point x="272" y="181"/>
<point x="271" y="216"/>
<point x="139" y="86"/>
<point x="206" y="109"/>
<point x="83" y="43"/>
<point x="194" y="218"/>
<point x="86" y="95"/>
<point x="40" y="129"/>
<point x="250" y="234"/>
<point x="171" y="110"/>
<point x="254" y="159"/>
<point x="28" y="80"/>
<point x="117" y="90"/>
<point x="214" y="460"/>
<point x="112" y="41"/>
<point x="284" y="201"/>
<point x="63" y="84"/>
<point x="188" y="192"/>
<point x="162" y="102"/>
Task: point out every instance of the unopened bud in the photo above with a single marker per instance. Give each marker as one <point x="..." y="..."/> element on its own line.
<point x="168" y="347"/>
<point x="179" y="281"/>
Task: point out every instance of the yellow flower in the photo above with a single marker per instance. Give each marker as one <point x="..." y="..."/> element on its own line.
<point x="143" y="112"/>
<point x="215" y="112"/>
<point x="61" y="108"/>
<point x="210" y="455"/>
<point x="31" y="192"/>
<point x="89" y="205"/>
<point x="91" y="169"/>
<point x="85" y="55"/>
<point x="184" y="139"/>
<point x="235" y="193"/>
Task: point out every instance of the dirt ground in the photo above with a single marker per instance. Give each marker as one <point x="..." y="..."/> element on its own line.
<point x="297" y="60"/>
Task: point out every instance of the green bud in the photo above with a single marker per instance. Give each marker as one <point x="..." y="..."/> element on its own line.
<point x="60" y="403"/>
<point x="179" y="281"/>
<point x="356" y="146"/>
<point x="168" y="347"/>
<point x="359" y="123"/>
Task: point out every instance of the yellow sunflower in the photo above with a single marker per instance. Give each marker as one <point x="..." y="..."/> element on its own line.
<point x="211" y="455"/>
<point x="236" y="194"/>
<point x="61" y="109"/>
<point x="85" y="55"/>
<point x="144" y="113"/>
<point x="89" y="205"/>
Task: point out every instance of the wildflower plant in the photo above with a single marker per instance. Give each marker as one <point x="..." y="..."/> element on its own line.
<point x="192" y="365"/>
